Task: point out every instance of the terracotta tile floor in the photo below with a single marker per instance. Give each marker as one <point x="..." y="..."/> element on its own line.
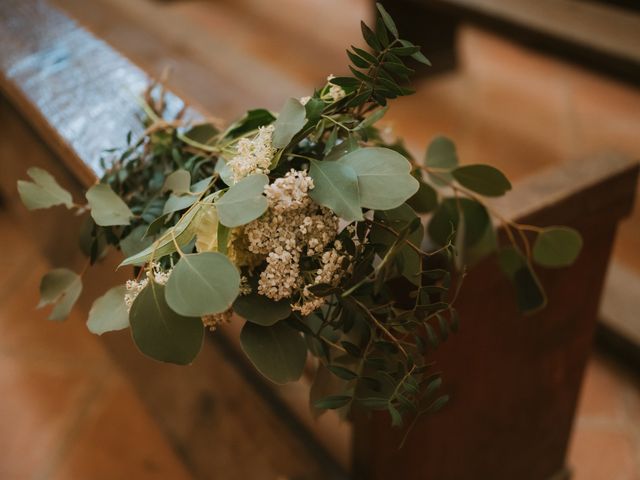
<point x="67" y="413"/>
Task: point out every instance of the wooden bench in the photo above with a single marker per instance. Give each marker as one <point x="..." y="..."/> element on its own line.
<point x="597" y="35"/>
<point x="66" y="96"/>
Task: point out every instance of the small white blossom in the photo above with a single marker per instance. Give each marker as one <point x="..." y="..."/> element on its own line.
<point x="305" y="100"/>
<point x="134" y="287"/>
<point x="336" y="92"/>
<point x="218" y="319"/>
<point x="253" y="155"/>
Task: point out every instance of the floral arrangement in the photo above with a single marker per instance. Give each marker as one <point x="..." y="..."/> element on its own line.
<point x="308" y="225"/>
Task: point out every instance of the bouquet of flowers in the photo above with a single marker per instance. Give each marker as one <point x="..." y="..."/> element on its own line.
<point x="307" y="224"/>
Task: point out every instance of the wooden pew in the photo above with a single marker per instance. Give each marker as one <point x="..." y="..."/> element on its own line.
<point x="596" y="35"/>
<point x="514" y="380"/>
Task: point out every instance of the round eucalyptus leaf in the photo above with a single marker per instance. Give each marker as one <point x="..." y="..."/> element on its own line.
<point x="482" y="179"/>
<point x="107" y="208"/>
<point x="557" y="247"/>
<point x="60" y="287"/>
<point x="202" y="284"/>
<point x="135" y="242"/>
<point x="161" y="333"/>
<point x="109" y="312"/>
<point x="203" y="133"/>
<point x="177" y="182"/>
<point x="441" y="154"/>
<point x="290" y="121"/>
<point x="176" y="203"/>
<point x="243" y="202"/>
<point x="384" y="178"/>
<point x="278" y="352"/>
<point x="261" y="310"/>
<point x="530" y="296"/>
<point x="444" y="222"/>
<point x="425" y="199"/>
<point x="336" y="187"/>
<point x="251" y="121"/>
<point x="43" y="192"/>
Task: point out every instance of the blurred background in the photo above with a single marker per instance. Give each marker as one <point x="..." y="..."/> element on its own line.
<point x="521" y="85"/>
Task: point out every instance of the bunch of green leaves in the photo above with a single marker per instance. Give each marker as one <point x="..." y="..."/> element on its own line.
<point x="417" y="226"/>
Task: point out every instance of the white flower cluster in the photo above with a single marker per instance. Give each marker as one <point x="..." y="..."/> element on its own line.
<point x="212" y="322"/>
<point x="134" y="287"/>
<point x="253" y="155"/>
<point x="292" y="226"/>
<point x="331" y="272"/>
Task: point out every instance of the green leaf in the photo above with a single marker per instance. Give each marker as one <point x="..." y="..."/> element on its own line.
<point x="109" y="312"/>
<point x="243" y="202"/>
<point x="370" y="37"/>
<point x="175" y="203"/>
<point x="201" y="284"/>
<point x="381" y="32"/>
<point x="384" y="178"/>
<point x="342" y="372"/>
<point x="261" y="310"/>
<point x="482" y="179"/>
<point x="529" y="293"/>
<point x="290" y="121"/>
<point x="396" y="416"/>
<point x="446" y="217"/>
<point x="161" y="333"/>
<point x="388" y="21"/>
<point x="345" y="82"/>
<point x="43" y="192"/>
<point x="336" y="187"/>
<point x="437" y="404"/>
<point x="60" y="287"/>
<point x="250" y="122"/>
<point x="357" y="60"/>
<point x="425" y="199"/>
<point x="441" y="154"/>
<point x="314" y="108"/>
<point x="418" y="56"/>
<point x="557" y="247"/>
<point x="107" y="208"/>
<point x="332" y="402"/>
<point x="372" y="119"/>
<point x="278" y="352"/>
<point x="135" y="242"/>
<point x="364" y="54"/>
<point x="177" y="182"/>
<point x="224" y="171"/>
<point x="203" y="133"/>
<point x="181" y="233"/>
<point x="408" y="260"/>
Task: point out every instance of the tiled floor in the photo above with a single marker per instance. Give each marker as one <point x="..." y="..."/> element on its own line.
<point x="64" y="407"/>
<point x="606" y="439"/>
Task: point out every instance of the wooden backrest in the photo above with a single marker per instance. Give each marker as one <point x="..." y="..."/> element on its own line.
<point x="77" y="94"/>
<point x="598" y="35"/>
<point x="515" y="379"/>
